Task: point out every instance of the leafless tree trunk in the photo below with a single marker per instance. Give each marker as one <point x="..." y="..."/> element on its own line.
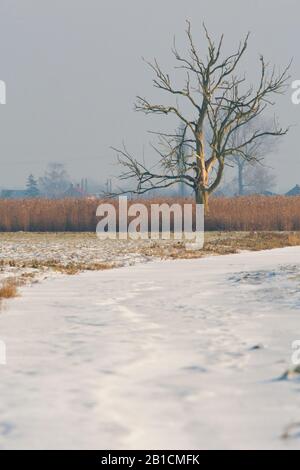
<point x="254" y="155"/>
<point x="181" y="160"/>
<point x="241" y="166"/>
<point x="214" y="101"/>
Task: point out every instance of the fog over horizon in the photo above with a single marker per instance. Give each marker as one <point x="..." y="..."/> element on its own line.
<point x="73" y="69"/>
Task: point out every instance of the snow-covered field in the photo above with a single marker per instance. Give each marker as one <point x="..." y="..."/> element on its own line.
<point x="35" y="254"/>
<point x="173" y="354"/>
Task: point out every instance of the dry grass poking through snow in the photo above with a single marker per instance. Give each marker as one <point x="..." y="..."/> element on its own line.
<point x="223" y="243"/>
<point x="8" y="289"/>
<point x="29" y="257"/>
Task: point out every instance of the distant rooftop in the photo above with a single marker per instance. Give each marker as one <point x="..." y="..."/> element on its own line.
<point x="13" y="193"/>
<point x="295" y="191"/>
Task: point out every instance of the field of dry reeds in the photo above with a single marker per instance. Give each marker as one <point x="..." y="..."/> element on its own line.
<point x="247" y="213"/>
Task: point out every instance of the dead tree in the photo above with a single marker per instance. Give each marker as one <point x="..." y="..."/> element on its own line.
<point x="181" y="159"/>
<point x="254" y="156"/>
<point x="214" y="101"/>
<point x="259" y="179"/>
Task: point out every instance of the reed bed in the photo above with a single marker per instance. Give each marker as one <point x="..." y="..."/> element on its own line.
<point x="247" y="213"/>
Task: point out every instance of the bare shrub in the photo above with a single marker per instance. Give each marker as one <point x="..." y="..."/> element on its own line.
<point x="8" y="289"/>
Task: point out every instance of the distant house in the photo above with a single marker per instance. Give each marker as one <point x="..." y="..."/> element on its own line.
<point x="268" y="193"/>
<point x="294" y="192"/>
<point x="74" y="191"/>
<point x="13" y="194"/>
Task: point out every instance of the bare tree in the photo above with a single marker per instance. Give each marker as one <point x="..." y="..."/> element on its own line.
<point x="182" y="155"/>
<point x="252" y="163"/>
<point x="55" y="181"/>
<point x="259" y="179"/>
<point x="214" y="101"/>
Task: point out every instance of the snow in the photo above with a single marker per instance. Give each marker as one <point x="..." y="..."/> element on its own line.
<point x="30" y="255"/>
<point x="183" y="354"/>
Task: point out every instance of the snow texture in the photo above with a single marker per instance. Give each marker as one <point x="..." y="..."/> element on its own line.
<point x="186" y="354"/>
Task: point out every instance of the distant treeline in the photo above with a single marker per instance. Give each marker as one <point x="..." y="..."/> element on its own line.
<point x="246" y="213"/>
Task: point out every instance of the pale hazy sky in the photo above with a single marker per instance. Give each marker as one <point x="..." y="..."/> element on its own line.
<point x="73" y="69"/>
